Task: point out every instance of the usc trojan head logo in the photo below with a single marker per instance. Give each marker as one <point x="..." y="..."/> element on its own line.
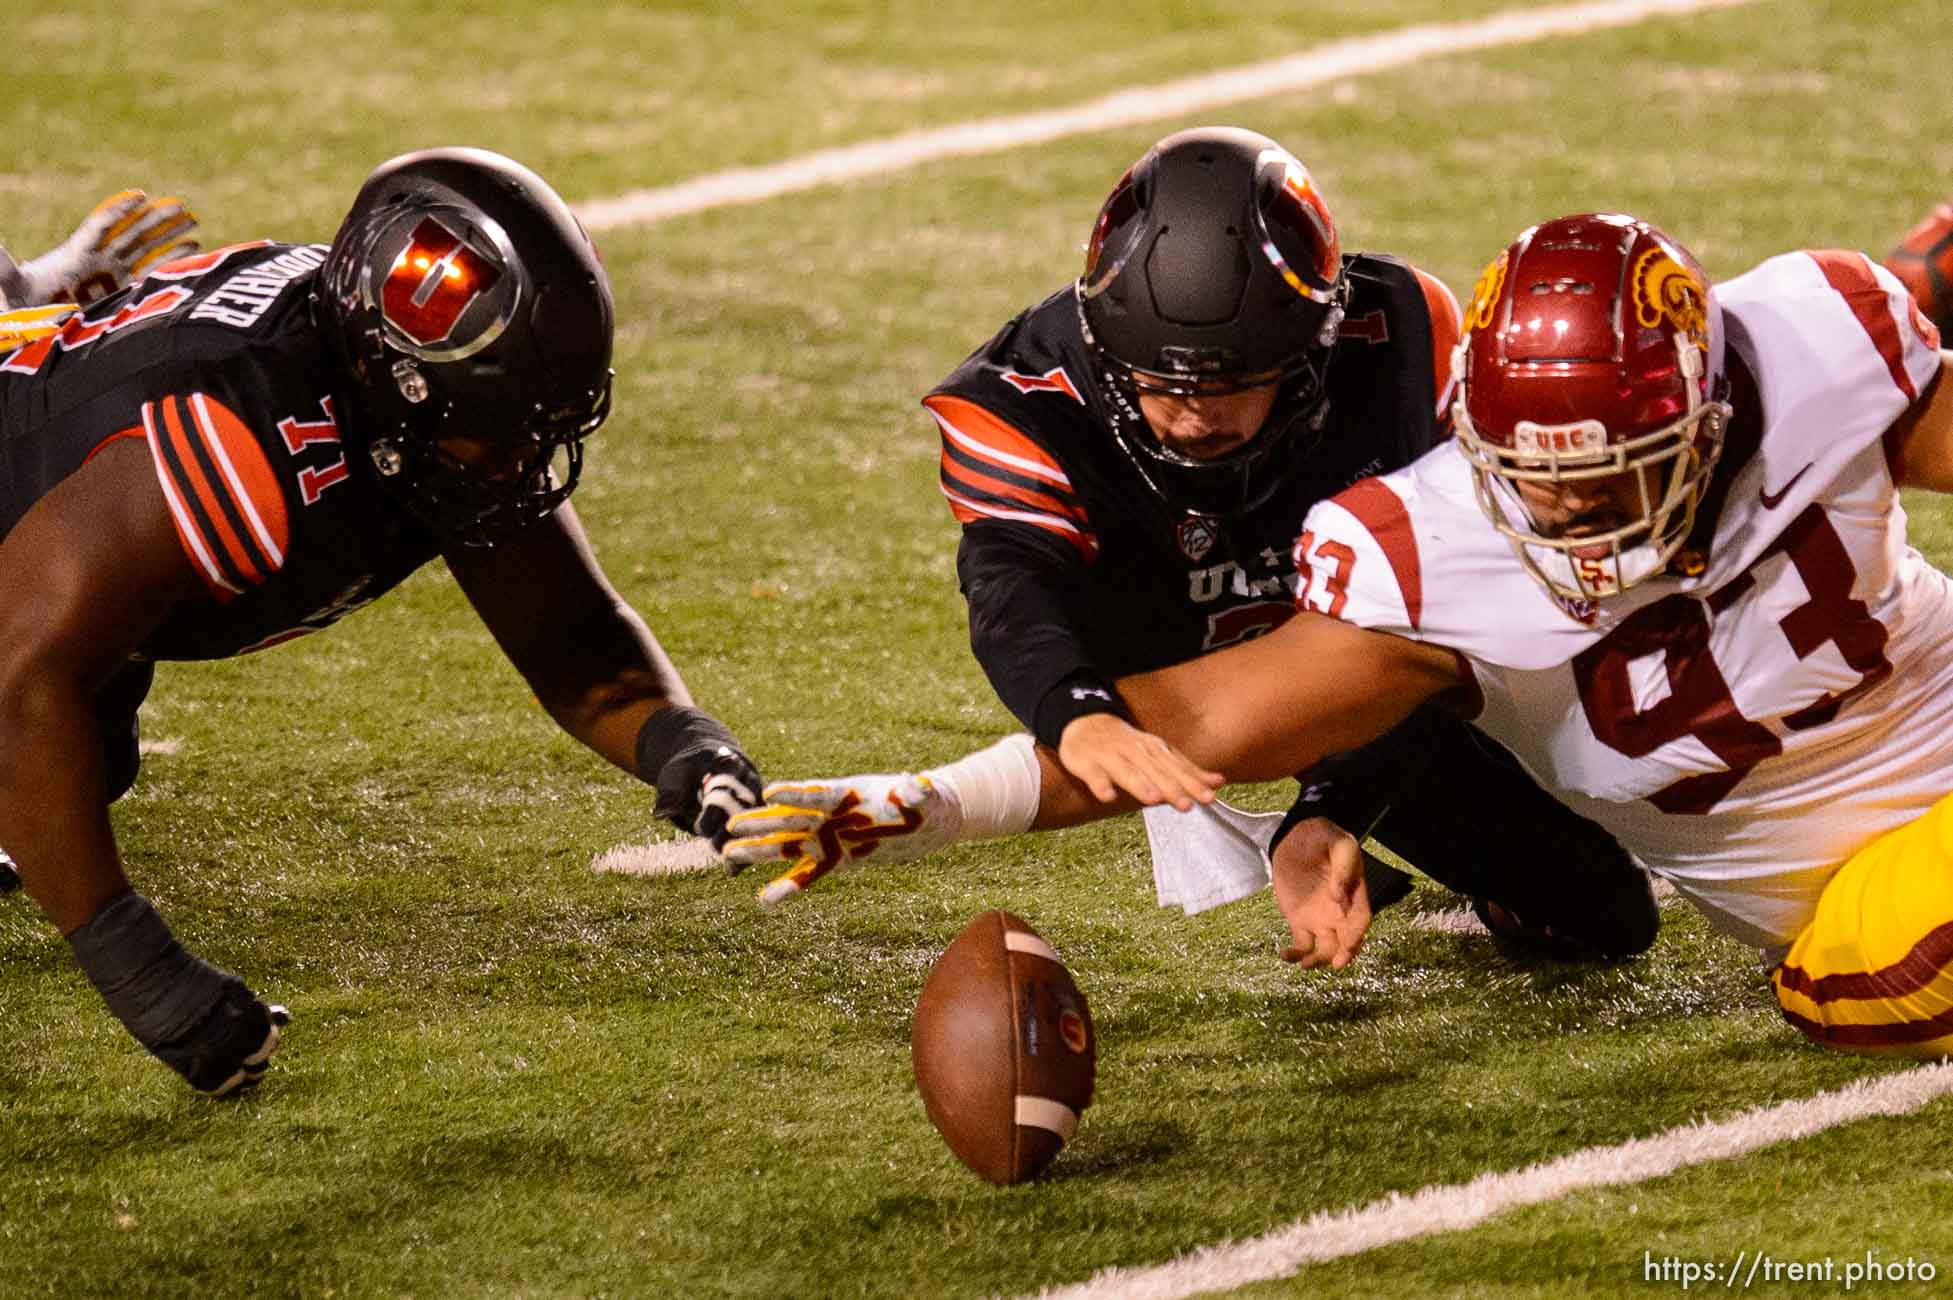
<point x="1665" y="290"/>
<point x="449" y="289"/>
<point x="1485" y="295"/>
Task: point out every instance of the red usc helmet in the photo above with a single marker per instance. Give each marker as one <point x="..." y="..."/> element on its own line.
<point x="1591" y="399"/>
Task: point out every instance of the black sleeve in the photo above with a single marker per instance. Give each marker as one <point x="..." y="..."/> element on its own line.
<point x="1023" y="589"/>
<point x="1356" y="788"/>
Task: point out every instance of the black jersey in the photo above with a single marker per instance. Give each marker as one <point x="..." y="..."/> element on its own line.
<point x="1076" y="571"/>
<point x="215" y="362"/>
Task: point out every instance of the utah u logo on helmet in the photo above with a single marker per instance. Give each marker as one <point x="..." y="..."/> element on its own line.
<point x="433" y="282"/>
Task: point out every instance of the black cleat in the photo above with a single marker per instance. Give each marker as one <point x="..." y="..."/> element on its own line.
<point x="1525" y="939"/>
<point x="9" y="878"/>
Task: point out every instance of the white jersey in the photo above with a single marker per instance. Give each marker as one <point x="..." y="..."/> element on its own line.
<point x="1744" y="731"/>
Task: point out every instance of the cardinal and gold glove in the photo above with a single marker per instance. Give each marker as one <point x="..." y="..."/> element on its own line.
<point x="126" y="235"/>
<point x="819" y="826"/>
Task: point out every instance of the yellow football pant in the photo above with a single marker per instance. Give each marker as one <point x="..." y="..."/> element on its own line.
<point x="1873" y="972"/>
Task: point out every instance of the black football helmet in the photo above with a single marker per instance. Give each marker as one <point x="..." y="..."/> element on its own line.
<point x="1214" y="267"/>
<point x="464" y="300"/>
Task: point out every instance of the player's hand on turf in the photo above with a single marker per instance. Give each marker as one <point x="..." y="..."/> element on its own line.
<point x="1111" y="756"/>
<point x="127" y="234"/>
<point x="229" y="1049"/>
<point x="1318" y="873"/>
<point x="700" y="789"/>
<point x="819" y="826"/>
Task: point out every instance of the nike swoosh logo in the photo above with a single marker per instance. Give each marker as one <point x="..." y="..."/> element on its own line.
<point x="1771" y="500"/>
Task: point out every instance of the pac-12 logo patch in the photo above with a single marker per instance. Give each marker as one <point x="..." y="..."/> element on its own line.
<point x="1196" y="537"/>
<point x="1054" y="380"/>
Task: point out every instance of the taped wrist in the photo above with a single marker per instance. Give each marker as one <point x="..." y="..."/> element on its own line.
<point x="675" y="747"/>
<point x="154" y="985"/>
<point x="997" y="789"/>
<point x="1074" y="697"/>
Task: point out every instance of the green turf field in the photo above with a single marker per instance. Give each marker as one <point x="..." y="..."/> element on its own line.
<point x="510" y="1076"/>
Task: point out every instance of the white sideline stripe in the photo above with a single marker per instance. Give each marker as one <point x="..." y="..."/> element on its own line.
<point x="663" y="858"/>
<point x="1173" y="99"/>
<point x="1453" y="1206"/>
<point x="1044" y="1113"/>
<point x="1018" y="941"/>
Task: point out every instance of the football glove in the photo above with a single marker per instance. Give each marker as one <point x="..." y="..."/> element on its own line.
<point x="700" y="788"/>
<point x="198" y="1019"/>
<point x="116" y="244"/>
<point x="230" y="1049"/>
<point x="819" y="826"/>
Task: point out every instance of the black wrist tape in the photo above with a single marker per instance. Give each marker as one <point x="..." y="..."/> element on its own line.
<point x="1075" y="697"/>
<point x="152" y="983"/>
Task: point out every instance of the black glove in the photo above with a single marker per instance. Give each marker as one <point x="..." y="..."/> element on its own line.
<point x="201" y="1021"/>
<point x="228" y="1050"/>
<point x="701" y="774"/>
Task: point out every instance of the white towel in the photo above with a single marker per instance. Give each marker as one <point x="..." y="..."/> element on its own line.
<point x="1215" y="854"/>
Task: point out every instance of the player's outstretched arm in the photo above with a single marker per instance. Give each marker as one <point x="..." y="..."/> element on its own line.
<point x="1121" y="764"/>
<point x="1271" y="707"/>
<point x="88" y="572"/>
<point x="118" y="242"/>
<point x="1924" y="434"/>
<point x="1250" y="713"/>
<point x="601" y="674"/>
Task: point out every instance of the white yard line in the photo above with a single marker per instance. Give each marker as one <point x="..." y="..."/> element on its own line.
<point x="1174" y="99"/>
<point x="658" y="858"/>
<point x="1450" y="1207"/>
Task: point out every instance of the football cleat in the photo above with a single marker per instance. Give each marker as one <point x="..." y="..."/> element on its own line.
<point x="1524" y="939"/>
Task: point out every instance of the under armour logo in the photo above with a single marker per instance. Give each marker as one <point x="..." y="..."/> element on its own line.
<point x="1091" y="693"/>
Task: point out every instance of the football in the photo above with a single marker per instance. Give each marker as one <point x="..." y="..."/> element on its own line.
<point x="1003" y="1047"/>
<point x="1924" y="262"/>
